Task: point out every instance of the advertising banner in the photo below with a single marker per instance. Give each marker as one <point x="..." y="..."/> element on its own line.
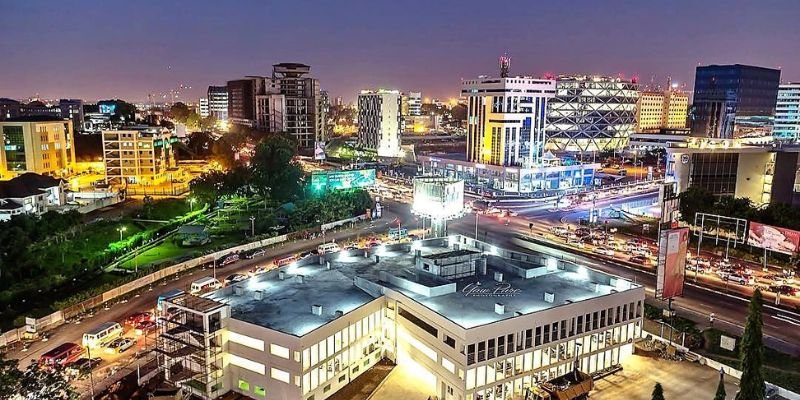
<point x="773" y="238"/>
<point x="337" y="180"/>
<point x="671" y="262"/>
<point x="319" y="150"/>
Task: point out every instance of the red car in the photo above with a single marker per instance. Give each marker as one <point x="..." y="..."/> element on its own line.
<point x="135" y="319"/>
<point x="145" y="327"/>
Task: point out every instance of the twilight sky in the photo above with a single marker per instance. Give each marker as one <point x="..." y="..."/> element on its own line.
<point x="101" y="49"/>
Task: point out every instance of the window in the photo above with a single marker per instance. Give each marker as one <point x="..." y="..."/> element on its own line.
<point x="491" y="349"/>
<point x="244" y="340"/>
<point x="326" y="388"/>
<point x="279" y="374"/>
<point x="450" y="341"/>
<point x="247" y="364"/>
<point x="580" y="324"/>
<point x="244" y="385"/>
<point x="418" y="322"/>
<point x="481" y="351"/>
<point x="279" y="351"/>
<point x="501" y="345"/>
<point x="260" y="391"/>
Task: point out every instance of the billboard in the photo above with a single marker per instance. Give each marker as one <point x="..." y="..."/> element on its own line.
<point x="323" y="181"/>
<point x="438" y="198"/>
<point x="319" y="150"/>
<point x="773" y="238"/>
<point x="671" y="262"/>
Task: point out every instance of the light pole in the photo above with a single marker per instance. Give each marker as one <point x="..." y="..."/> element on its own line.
<point x="121" y="229"/>
<point x="91" y="376"/>
<point x="476" y="224"/>
<point x="191" y="203"/>
<point x="252" y="226"/>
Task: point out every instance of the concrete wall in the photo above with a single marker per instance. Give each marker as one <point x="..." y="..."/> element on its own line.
<point x="750" y="175"/>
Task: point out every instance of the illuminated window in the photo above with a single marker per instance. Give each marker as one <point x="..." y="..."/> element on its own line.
<point x="246" y="341"/>
<point x="260" y="391"/>
<point x="279" y="374"/>
<point x="279" y="351"/>
<point x="244" y="385"/>
<point x="247" y="364"/>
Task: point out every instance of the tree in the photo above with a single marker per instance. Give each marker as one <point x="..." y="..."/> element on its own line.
<point x="179" y="112"/>
<point x="751" y="353"/>
<point x="10" y="376"/>
<point x="38" y="383"/>
<point x="275" y="173"/>
<point x="720" y="387"/>
<point x="694" y="200"/>
<point x="658" y="392"/>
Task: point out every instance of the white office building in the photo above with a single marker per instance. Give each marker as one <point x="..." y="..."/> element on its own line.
<point x="218" y="102"/>
<point x="203" y="105"/>
<point x="414" y="103"/>
<point x="506" y="119"/>
<point x="472" y="321"/>
<point x="787" y="113"/>
<point x="380" y="121"/>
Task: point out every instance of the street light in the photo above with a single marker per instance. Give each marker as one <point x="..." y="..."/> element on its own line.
<point x="121" y="229"/>
<point x="252" y="226"/>
<point x="191" y="203"/>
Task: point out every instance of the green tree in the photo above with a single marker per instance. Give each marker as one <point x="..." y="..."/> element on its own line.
<point x="38" y="383"/>
<point x="720" y="395"/>
<point x="10" y="376"/>
<point x="751" y="353"/>
<point x="658" y="392"/>
<point x="275" y="173"/>
<point x="179" y="112"/>
<point x="694" y="200"/>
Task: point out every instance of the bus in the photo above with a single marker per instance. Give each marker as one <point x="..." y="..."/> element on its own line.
<point x="171" y="294"/>
<point x="204" y="285"/>
<point x="61" y="355"/>
<point x="398" y="233"/>
<point x="98" y="337"/>
<point x="286" y="260"/>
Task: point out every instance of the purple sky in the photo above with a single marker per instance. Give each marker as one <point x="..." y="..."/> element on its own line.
<point x="102" y="49"/>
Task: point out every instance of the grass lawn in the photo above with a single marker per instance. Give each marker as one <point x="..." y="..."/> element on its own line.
<point x="170" y="250"/>
<point x="93" y="240"/>
<point x="166" y="209"/>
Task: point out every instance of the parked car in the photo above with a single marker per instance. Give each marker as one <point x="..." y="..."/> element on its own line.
<point x="144" y="327"/>
<point x="119" y="345"/>
<point x="255" y="253"/>
<point x="307" y="254"/>
<point x="695" y="268"/>
<point x="784" y="290"/>
<point x="604" y="251"/>
<point x="258" y="270"/>
<point x="134" y="319"/>
<point x="83" y="365"/>
<point x="736" y="278"/>
<point x="233" y="278"/>
<point x="642" y="260"/>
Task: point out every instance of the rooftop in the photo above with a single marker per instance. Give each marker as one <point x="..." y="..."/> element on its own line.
<point x="283" y="299"/>
<point x="35" y="118"/>
<point x="27" y="184"/>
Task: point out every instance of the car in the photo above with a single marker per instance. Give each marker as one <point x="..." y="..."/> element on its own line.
<point x="724" y="263"/>
<point x="736" y="278"/>
<point x="641" y="252"/>
<point x="784" y="290"/>
<point x="306" y="254"/>
<point x="699" y="261"/>
<point x="144" y="327"/>
<point x="233" y="278"/>
<point x="83" y="365"/>
<point x="255" y="253"/>
<point x="350" y="247"/>
<point x="639" y="260"/>
<point x="258" y="270"/>
<point x="119" y="345"/>
<point x="138" y="317"/>
<point x="374" y="244"/>
<point x="604" y="251"/>
<point x="696" y="268"/>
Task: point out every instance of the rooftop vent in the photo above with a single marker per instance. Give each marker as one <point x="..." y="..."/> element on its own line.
<point x="258" y="294"/>
<point x="316" y="309"/>
<point x="518" y="313"/>
<point x="281" y="275"/>
<point x="238" y="290"/>
<point x="499" y="308"/>
<point x="299" y="278"/>
<point x="498" y="276"/>
<point x="327" y="265"/>
<point x="338" y="313"/>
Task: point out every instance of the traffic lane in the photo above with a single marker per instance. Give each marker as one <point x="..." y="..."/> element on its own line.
<point x="146" y="300"/>
<point x="782" y="334"/>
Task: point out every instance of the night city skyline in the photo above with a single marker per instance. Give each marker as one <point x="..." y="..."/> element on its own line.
<point x="424" y="47"/>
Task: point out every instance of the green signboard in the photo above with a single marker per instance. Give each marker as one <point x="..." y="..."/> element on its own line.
<point x="323" y="181"/>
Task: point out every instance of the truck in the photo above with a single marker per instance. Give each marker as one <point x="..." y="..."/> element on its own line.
<point x="574" y="385"/>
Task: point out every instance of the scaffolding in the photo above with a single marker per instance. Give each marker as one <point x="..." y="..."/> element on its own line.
<point x="190" y="341"/>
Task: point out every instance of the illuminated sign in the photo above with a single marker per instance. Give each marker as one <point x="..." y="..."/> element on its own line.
<point x="108" y="108"/>
<point x="438" y="198"/>
<point x="323" y="181"/>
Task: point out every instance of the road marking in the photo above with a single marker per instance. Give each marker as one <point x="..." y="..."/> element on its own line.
<point x="784" y="318"/>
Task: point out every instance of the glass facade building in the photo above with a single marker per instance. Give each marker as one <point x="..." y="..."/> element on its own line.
<point x="733" y="101"/>
<point x="14" y="148"/>
<point x="787" y="113"/>
<point x="591" y="113"/>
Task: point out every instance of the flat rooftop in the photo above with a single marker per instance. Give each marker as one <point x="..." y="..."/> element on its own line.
<point x="283" y="299"/>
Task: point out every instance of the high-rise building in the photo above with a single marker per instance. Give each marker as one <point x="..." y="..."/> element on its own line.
<point x="40" y="144"/>
<point x="591" y="113"/>
<point x="659" y="110"/>
<point x="218" y="102"/>
<point x="242" y="100"/>
<point x="72" y="109"/>
<point x="787" y="113"/>
<point x="203" y="105"/>
<point x="322" y="116"/>
<point x="506" y="119"/>
<point x="733" y="101"/>
<point x="137" y="157"/>
<point x="380" y="121"/>
<point x="414" y="103"/>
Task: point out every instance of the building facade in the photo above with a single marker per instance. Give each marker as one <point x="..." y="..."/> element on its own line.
<point x="380" y="121"/>
<point x="218" y="102"/>
<point x="732" y="101"/>
<point x="9" y="108"/>
<point x="787" y="113"/>
<point x="414" y="103"/>
<point x="202" y="104"/>
<point x="72" y="109"/>
<point x="39" y="144"/>
<point x="137" y="157"/>
<point x="657" y="110"/>
<point x="591" y="113"/>
<point x="30" y="193"/>
<point x="506" y="119"/>
<point x="307" y="330"/>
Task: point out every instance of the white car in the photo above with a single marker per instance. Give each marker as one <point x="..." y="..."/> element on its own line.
<point x="740" y="279"/>
<point x="604" y="251"/>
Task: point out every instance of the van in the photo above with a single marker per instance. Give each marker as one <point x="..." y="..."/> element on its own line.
<point x="327" y="248"/>
<point x="61" y="355"/>
<point x="101" y="335"/>
<point x="286" y="260"/>
<point x="204" y="285"/>
<point x="171" y="294"/>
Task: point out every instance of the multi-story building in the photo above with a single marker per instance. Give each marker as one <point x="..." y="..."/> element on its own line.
<point x="202" y="104"/>
<point x="137" y="157"/>
<point x="30" y="193"/>
<point x="787" y="113"/>
<point x="414" y="103"/>
<point x="242" y="100"/>
<point x="471" y="320"/>
<point x="322" y="116"/>
<point x="218" y="102"/>
<point x="380" y="122"/>
<point x="506" y="119"/>
<point x="72" y="109"/>
<point x="9" y="108"/>
<point x="659" y="110"/>
<point x="39" y="144"/>
<point x="732" y="101"/>
<point x="591" y="113"/>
